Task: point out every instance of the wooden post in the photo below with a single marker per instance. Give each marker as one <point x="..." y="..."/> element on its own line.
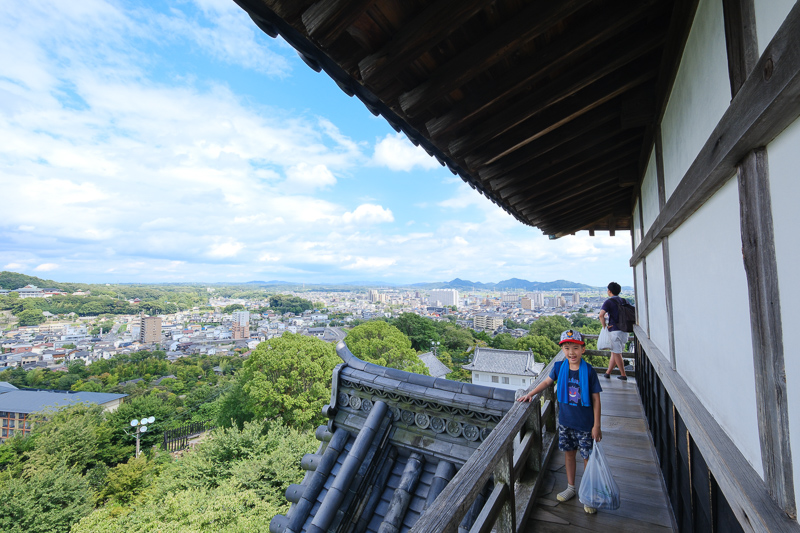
<point x="504" y="473"/>
<point x="550" y="421"/>
<point x="760" y="263"/>
<point x="534" y="426"/>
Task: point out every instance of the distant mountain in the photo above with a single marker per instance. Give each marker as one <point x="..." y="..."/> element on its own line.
<point x="509" y="284"/>
<point x="15" y="280"/>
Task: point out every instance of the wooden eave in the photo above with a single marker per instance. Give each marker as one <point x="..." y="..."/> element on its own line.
<point x="546" y="108"/>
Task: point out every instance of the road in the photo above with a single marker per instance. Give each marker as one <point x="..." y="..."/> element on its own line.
<point x="338" y="333"/>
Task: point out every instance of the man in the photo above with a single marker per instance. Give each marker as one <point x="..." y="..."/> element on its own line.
<point x="610" y="310"/>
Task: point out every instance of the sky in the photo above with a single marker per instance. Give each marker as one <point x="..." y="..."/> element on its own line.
<point x="176" y="142"/>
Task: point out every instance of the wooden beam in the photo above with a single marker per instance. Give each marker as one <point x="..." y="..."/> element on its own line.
<point x="760" y="263"/>
<point x="416" y="37"/>
<point x="764" y="106"/>
<point x="741" y="40"/>
<point x="596" y="118"/>
<point x="540" y="124"/>
<point x="612" y="150"/>
<point x="601" y="180"/>
<point x="602" y="141"/>
<point x="567" y="207"/>
<point x="662" y="200"/>
<point x="571" y="46"/>
<point x="742" y="486"/>
<point x="578" y="174"/>
<point x="644" y="264"/>
<point x="589" y="216"/>
<point x="502" y="41"/>
<point x="761" y="270"/>
<point x="325" y="20"/>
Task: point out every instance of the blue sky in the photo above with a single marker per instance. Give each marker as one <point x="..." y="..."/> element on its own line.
<point x="167" y="142"/>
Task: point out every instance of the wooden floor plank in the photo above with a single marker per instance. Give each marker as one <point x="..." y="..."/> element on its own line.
<point x="644" y="506"/>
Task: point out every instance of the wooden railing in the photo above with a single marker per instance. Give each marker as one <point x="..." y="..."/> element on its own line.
<point x="514" y="455"/>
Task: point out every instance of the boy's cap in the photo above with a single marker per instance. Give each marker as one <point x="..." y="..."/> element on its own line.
<point x="571" y="336"/>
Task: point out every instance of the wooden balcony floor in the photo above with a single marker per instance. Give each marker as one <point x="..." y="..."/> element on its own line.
<point x="626" y="443"/>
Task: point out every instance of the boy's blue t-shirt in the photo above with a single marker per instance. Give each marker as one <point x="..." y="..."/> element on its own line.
<point x="573" y="414"/>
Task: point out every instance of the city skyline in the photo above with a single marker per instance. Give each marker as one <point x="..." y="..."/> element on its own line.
<point x="141" y="145"/>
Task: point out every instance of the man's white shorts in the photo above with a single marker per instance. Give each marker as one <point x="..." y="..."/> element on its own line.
<point x="618" y="341"/>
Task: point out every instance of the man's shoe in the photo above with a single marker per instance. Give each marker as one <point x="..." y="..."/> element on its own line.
<point x="623" y="378"/>
<point x="589" y="510"/>
<point x="607" y="376"/>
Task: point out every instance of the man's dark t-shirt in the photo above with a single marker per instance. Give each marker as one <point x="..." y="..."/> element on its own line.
<point x="574" y="414"/>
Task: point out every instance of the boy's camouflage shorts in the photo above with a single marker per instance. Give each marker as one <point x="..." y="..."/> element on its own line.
<point x="573" y="439"/>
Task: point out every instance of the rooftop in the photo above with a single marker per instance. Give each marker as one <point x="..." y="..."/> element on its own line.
<point x="30" y="401"/>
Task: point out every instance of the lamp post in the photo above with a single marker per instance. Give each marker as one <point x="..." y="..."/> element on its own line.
<point x="434" y="346"/>
<point x="141" y="427"/>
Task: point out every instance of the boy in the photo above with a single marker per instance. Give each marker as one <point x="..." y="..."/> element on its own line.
<point x="578" y="394"/>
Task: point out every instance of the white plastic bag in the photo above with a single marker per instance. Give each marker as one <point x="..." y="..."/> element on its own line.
<point x="598" y="488"/>
<point x="604" y="340"/>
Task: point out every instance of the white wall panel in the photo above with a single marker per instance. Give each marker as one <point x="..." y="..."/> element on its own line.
<point x="641" y="297"/>
<point x="637" y="227"/>
<point x="713" y="345"/>
<point x="650" y="193"/>
<point x="700" y="96"/>
<point x="656" y="300"/>
<point x="770" y="14"/>
<point x="784" y="176"/>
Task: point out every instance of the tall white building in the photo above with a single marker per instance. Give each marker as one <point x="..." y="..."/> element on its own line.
<point x="445" y="296"/>
<point x="241" y="318"/>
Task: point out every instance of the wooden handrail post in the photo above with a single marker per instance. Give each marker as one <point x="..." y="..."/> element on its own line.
<point x="550" y="421"/>
<point x="534" y="426"/>
<point x="504" y="474"/>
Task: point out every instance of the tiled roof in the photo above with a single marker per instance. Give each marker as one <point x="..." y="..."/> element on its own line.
<point x="28" y="401"/>
<point x="393" y="442"/>
<point x="436" y="368"/>
<point x="504" y="362"/>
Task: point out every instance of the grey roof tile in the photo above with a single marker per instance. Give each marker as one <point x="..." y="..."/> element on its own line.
<point x="512" y="362"/>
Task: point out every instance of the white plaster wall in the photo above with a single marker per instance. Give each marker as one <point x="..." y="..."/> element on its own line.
<point x="770" y="14"/>
<point x="637" y="228"/>
<point x="657" y="301"/>
<point x="711" y="311"/>
<point x="641" y="297"/>
<point x="700" y="96"/>
<point x="650" y="193"/>
<point x="784" y="176"/>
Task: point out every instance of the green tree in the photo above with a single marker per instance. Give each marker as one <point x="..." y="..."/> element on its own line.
<point x="385" y="345"/>
<point x="456" y="339"/>
<point x="421" y="331"/>
<point x="580" y="320"/>
<point x="31" y="317"/>
<point x="550" y="327"/>
<point x="542" y="347"/>
<point x="289" y="378"/>
<point x="76" y="435"/>
<point x="233" y="307"/>
<point x="503" y="341"/>
<point x="50" y="500"/>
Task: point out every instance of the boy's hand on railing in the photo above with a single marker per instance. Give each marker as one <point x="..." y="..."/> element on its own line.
<point x="526" y="398"/>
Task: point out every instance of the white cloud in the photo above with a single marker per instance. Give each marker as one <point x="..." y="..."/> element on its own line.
<point x="223" y="250"/>
<point x="46" y="267"/>
<point x="14" y="266"/>
<point x="265" y="257"/>
<point x="309" y="177"/>
<point x="370" y="263"/>
<point x="397" y="153"/>
<point x="368" y="214"/>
